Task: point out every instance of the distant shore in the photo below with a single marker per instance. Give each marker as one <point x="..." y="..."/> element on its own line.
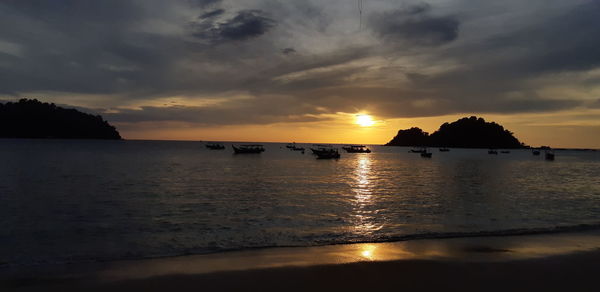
<point x="555" y="262"/>
<point x="284" y="143"/>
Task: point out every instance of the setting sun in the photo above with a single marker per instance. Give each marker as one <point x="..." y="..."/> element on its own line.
<point x="365" y="120"/>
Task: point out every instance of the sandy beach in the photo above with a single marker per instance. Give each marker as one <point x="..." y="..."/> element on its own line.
<point x="553" y="262"/>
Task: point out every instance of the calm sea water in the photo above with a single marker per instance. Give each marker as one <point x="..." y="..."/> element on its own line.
<point x="75" y="201"/>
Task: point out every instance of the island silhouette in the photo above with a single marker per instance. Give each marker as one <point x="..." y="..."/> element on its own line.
<point x="30" y="118"/>
<point x="468" y="132"/>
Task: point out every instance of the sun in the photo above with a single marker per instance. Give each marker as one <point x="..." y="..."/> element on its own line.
<point x="364" y="120"/>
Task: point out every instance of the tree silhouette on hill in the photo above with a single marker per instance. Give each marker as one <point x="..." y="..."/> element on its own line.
<point x="469" y="132"/>
<point x="410" y="137"/>
<point x="30" y="118"/>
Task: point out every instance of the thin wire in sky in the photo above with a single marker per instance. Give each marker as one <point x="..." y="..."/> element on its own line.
<point x="360" y="12"/>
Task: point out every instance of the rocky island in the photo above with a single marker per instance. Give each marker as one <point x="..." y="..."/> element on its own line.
<point x="472" y="132"/>
<point x="30" y="118"/>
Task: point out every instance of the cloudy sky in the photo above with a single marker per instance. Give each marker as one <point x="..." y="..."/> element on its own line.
<point x="302" y="70"/>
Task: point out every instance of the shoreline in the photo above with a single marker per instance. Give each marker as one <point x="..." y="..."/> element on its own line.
<point x="229" y="270"/>
<point x="502" y="233"/>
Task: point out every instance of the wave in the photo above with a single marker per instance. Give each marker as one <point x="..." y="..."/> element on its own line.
<point x="486" y="233"/>
<point x="383" y="239"/>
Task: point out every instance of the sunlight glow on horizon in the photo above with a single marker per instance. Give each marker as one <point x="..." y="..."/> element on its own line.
<point x="342" y="128"/>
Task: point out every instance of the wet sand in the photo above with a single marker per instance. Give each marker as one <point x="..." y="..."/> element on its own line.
<point x="558" y="262"/>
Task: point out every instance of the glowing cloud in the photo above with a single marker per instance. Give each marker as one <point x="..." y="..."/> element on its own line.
<point x="364" y="120"/>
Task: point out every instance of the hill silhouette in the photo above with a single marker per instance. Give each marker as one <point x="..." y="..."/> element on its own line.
<point x="410" y="137"/>
<point x="472" y="132"/>
<point x="30" y="118"/>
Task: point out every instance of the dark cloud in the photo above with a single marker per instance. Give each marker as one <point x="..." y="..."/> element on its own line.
<point x="563" y="42"/>
<point x="568" y="42"/>
<point x="116" y="51"/>
<point x="68" y="14"/>
<point x="416" y="66"/>
<point x="204" y="3"/>
<point x="212" y="14"/>
<point x="414" y="25"/>
<point x="265" y="110"/>
<point x="503" y="73"/>
<point x="79" y="46"/>
<point x="245" y="25"/>
<point x="288" y="51"/>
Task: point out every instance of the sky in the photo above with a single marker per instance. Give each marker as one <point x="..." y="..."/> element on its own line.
<point x="306" y="70"/>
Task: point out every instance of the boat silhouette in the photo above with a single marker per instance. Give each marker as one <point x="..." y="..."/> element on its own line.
<point x="425" y="153"/>
<point x="326" y="153"/>
<point x="215" y="146"/>
<point x="357" y="149"/>
<point x="549" y="154"/>
<point x="248" y="149"/>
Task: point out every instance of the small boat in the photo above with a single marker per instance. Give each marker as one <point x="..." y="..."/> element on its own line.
<point x="492" y="151"/>
<point x="357" y="149"/>
<point x="215" y="146"/>
<point x="293" y="147"/>
<point x="320" y="147"/>
<point x="549" y="154"/>
<point x="535" y="152"/>
<point x="504" y="151"/>
<point x="425" y="153"/>
<point x="416" y="150"/>
<point x="248" y="149"/>
<point x="328" y="154"/>
<point x="444" y="150"/>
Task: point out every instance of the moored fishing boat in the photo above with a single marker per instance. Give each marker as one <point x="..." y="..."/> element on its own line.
<point x="357" y="149"/>
<point x="331" y="153"/>
<point x="549" y="154"/>
<point x="294" y="147"/>
<point x="320" y="147"/>
<point x="215" y="146"/>
<point x="417" y="150"/>
<point x="426" y="154"/>
<point x="248" y="149"/>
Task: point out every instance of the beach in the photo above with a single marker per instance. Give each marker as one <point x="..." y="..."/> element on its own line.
<point x="545" y="262"/>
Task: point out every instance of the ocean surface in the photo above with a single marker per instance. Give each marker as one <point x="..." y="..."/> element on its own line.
<point x="79" y="201"/>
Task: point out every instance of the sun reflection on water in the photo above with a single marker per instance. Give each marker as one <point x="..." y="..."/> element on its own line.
<point x="363" y="213"/>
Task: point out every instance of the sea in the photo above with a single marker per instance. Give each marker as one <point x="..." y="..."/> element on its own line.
<point x="74" y="201"/>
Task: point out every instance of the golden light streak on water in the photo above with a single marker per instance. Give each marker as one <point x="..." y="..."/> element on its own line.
<point x="363" y="196"/>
